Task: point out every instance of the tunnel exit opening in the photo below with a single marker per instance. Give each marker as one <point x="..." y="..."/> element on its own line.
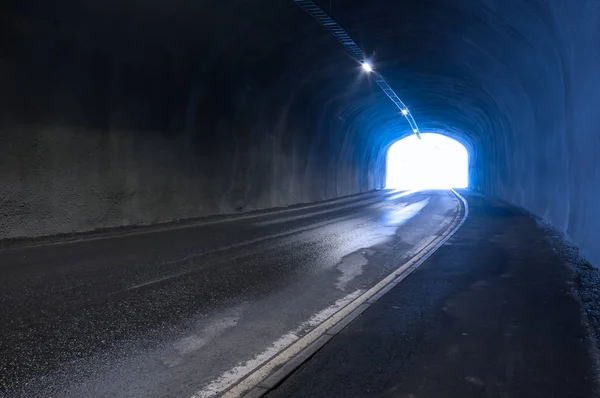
<point x="434" y="162"/>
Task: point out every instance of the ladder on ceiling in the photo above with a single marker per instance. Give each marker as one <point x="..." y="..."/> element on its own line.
<point x="358" y="54"/>
<point x="333" y="27"/>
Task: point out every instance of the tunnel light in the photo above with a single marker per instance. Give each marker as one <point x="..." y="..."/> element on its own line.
<point x="405" y="112"/>
<point x="367" y="67"/>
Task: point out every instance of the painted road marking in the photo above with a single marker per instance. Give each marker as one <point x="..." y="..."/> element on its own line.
<point x="423" y="243"/>
<point x="235" y="246"/>
<point x="403" y="194"/>
<point x="403" y="214"/>
<point x="363" y="203"/>
<point x="145" y="229"/>
<point x="301" y="349"/>
<point x="230" y="377"/>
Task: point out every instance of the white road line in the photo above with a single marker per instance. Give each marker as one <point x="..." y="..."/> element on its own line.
<point x="253" y="379"/>
<point x="281" y="220"/>
<point x="230" y="377"/>
<point x="403" y="194"/>
<point x="171" y="225"/>
<point x="236" y="246"/>
<point x="363" y="203"/>
<point x="423" y="243"/>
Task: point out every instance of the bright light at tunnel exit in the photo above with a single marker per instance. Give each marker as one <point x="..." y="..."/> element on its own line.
<point x="434" y="162"/>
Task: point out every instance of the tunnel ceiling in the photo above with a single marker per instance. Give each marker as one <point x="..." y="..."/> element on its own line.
<point x="202" y="107"/>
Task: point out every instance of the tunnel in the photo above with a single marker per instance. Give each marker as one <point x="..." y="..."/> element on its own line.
<point x="192" y="192"/>
<point x="134" y="113"/>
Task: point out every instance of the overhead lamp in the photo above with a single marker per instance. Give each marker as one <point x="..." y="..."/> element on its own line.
<point x="367" y="67"/>
<point x="405" y="112"/>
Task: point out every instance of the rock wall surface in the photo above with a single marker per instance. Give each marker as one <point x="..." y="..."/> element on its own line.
<point x="129" y="112"/>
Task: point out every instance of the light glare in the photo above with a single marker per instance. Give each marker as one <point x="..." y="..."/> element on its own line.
<point x="367" y="67"/>
<point x="434" y="162"/>
<point x="404" y="112"/>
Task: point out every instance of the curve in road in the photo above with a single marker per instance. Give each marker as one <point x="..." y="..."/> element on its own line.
<point x="192" y="311"/>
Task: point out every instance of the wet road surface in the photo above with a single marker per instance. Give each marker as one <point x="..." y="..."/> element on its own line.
<point x="492" y="313"/>
<point x="188" y="310"/>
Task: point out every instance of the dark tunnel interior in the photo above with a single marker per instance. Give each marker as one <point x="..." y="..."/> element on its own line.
<point x="133" y="112"/>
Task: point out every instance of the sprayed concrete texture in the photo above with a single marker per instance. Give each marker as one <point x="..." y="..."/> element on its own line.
<point x="117" y="113"/>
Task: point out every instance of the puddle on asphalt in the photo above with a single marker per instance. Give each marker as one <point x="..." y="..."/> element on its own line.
<point x="351" y="267"/>
<point x="353" y="264"/>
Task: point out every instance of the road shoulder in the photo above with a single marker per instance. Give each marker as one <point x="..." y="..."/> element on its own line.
<point x="493" y="313"/>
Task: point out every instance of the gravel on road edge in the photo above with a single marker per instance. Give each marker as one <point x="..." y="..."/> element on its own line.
<point x="586" y="278"/>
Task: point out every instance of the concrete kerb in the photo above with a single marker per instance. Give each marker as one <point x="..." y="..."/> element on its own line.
<point x="277" y="369"/>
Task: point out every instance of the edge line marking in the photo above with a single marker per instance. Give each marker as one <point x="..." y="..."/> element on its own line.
<point x="283" y="364"/>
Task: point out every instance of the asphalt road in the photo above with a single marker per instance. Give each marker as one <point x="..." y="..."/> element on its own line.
<point x="493" y="313"/>
<point x="188" y="310"/>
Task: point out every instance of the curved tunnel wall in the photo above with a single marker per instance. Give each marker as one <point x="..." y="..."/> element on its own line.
<point x="130" y="112"/>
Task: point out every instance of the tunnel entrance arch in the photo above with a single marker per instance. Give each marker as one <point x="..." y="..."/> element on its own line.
<point x="434" y="162"/>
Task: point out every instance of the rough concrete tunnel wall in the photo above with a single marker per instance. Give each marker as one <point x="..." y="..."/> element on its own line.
<point x="117" y="114"/>
<point x="127" y="112"/>
<point x="518" y="82"/>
